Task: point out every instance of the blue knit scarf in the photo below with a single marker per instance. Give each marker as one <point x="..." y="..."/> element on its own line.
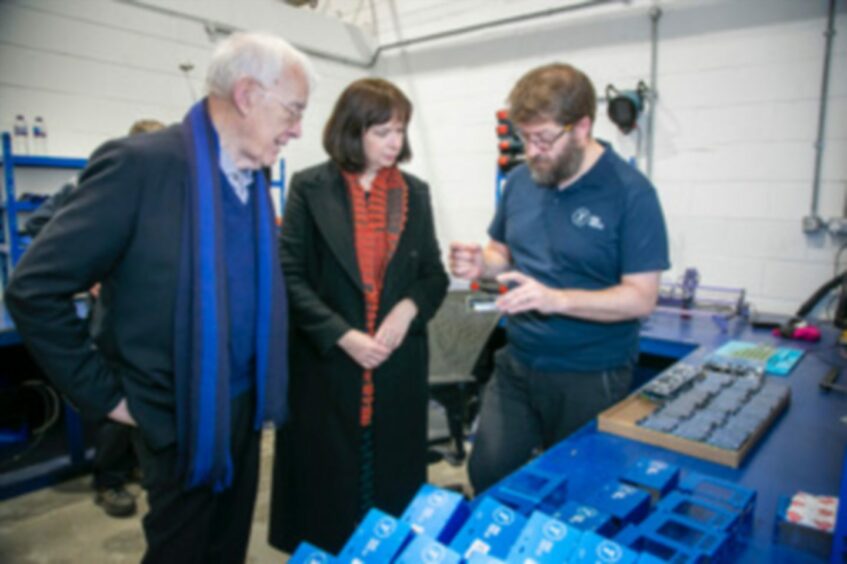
<point x="201" y="352"/>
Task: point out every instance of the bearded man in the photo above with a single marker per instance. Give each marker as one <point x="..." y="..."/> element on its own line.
<point x="580" y="238"/>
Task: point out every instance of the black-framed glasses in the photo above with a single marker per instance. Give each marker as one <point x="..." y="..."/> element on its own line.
<point x="296" y="113"/>
<point x="541" y="141"/>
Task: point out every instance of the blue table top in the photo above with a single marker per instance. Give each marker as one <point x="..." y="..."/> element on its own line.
<point x="803" y="450"/>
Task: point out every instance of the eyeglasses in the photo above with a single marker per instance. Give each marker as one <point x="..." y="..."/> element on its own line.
<point x="296" y="113"/>
<point x="542" y="142"/>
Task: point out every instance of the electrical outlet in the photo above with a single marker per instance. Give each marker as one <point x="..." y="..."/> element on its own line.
<point x="812" y="224"/>
<point x="837" y="226"/>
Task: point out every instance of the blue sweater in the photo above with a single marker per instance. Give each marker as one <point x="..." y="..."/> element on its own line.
<point x="240" y="241"/>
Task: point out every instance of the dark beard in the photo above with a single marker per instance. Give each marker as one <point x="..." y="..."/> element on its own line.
<point x="563" y="168"/>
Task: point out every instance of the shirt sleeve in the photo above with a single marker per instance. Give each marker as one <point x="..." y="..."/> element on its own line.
<point x="497" y="228"/>
<point x="644" y="238"/>
<point x="297" y="243"/>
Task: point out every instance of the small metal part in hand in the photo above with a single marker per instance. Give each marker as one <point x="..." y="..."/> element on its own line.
<point x="488" y="286"/>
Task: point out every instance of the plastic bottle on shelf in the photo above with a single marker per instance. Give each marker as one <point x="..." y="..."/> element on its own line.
<point x="39" y="136"/>
<point x="20" y="136"/>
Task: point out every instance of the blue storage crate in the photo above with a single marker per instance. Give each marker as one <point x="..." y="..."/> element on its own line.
<point x="594" y="549"/>
<point x="689" y="536"/>
<point x="436" y="512"/>
<point x="378" y="538"/>
<point x="491" y="529"/>
<point x="626" y="504"/>
<point x="585" y="518"/>
<point x="656" y="477"/>
<point x="426" y="550"/>
<point x="531" y="488"/>
<point x="309" y="554"/>
<point x="545" y="540"/>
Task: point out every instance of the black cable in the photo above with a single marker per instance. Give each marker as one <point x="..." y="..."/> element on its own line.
<point x="52" y="409"/>
<point x="50" y="399"/>
<point x="21" y="455"/>
<point x="821" y="292"/>
<point x="837" y="263"/>
<point x="825" y="355"/>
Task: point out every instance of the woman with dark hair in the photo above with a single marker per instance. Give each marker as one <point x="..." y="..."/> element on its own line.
<point x="364" y="277"/>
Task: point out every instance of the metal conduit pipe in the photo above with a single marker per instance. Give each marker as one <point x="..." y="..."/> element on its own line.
<point x="220" y="27"/>
<point x="813" y="223"/>
<point x="489" y="25"/>
<point x="213" y="28"/>
<point x="653" y="93"/>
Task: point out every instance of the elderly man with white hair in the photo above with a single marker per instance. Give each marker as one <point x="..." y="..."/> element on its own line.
<point x="179" y="228"/>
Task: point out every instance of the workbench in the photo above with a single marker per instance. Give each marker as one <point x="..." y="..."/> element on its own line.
<point x="804" y="449"/>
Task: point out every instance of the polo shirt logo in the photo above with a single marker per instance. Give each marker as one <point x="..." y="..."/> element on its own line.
<point x="583" y="217"/>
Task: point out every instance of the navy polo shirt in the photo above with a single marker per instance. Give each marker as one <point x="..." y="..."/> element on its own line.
<point x="607" y="224"/>
<point x="240" y="256"/>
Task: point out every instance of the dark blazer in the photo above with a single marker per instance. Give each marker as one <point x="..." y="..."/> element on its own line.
<point x="316" y="469"/>
<point x="39" y="218"/>
<point x="122" y="227"/>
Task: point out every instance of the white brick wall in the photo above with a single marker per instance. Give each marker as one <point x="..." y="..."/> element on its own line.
<point x="737" y="117"/>
<point x="92" y="67"/>
<point x="738" y="83"/>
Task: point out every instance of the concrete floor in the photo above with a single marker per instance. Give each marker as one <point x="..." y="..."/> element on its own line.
<point x="62" y="524"/>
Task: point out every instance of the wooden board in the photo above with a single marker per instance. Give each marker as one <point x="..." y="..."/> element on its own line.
<point x="621" y="419"/>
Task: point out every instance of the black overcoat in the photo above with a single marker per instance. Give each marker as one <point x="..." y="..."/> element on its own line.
<point x="121" y="227"/>
<point x="316" y="465"/>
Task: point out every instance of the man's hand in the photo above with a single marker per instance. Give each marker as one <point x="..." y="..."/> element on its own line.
<point x="394" y="327"/>
<point x="121" y="414"/>
<point x="364" y="349"/>
<point x="466" y="260"/>
<point x="527" y="295"/>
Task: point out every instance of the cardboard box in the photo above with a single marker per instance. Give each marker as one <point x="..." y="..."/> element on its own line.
<point x="807" y="522"/>
<point x="622" y="418"/>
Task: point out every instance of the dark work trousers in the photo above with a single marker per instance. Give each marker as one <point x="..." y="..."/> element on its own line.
<point x="114" y="455"/>
<point x="198" y="525"/>
<point x="524" y="410"/>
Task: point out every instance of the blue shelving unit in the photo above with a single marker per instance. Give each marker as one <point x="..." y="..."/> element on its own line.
<point x="74" y="460"/>
<point x="12" y="243"/>
<point x="280" y="185"/>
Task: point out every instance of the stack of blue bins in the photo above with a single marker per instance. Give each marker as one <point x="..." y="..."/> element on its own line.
<point x="649" y="514"/>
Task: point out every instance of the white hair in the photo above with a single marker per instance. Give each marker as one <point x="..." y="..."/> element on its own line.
<point x="260" y="56"/>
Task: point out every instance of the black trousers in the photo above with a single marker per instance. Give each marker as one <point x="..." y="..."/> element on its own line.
<point x="199" y="525"/>
<point x="525" y="410"/>
<point x="114" y="455"/>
